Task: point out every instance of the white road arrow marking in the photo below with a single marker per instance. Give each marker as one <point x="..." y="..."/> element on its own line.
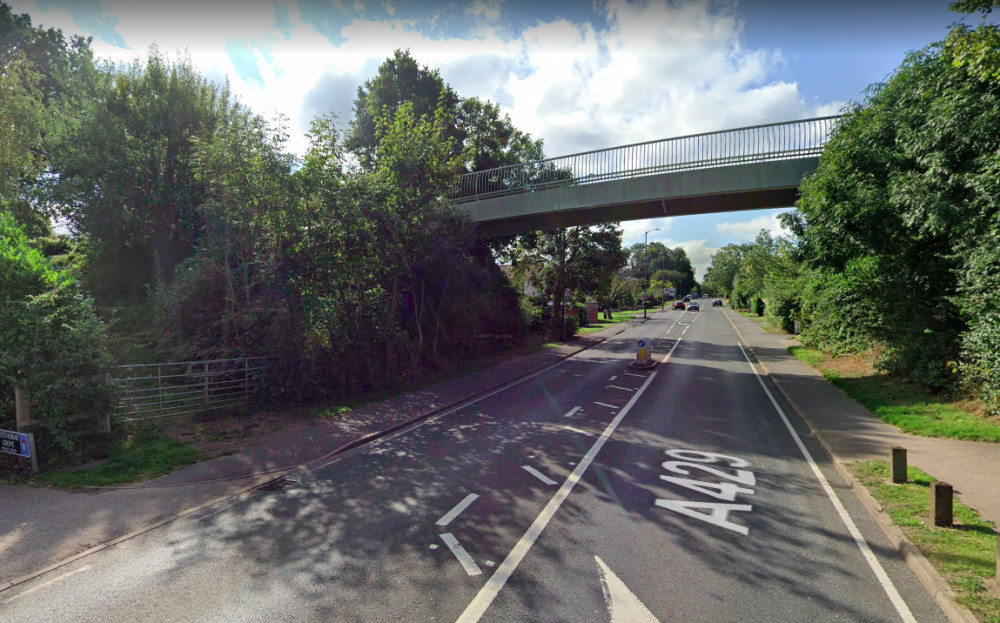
<point x="622" y="604"/>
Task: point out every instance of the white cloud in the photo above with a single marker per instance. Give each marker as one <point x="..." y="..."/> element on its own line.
<point x="661" y="69"/>
<point x="748" y="230"/>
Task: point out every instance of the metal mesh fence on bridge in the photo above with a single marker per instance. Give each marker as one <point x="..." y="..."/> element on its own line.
<point x="762" y="143"/>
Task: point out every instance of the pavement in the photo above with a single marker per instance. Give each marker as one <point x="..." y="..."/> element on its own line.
<point x="44" y="528"/>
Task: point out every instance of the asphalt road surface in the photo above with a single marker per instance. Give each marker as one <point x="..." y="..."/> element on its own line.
<point x="586" y="492"/>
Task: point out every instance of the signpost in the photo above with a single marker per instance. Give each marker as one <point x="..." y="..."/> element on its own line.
<point x="19" y="444"/>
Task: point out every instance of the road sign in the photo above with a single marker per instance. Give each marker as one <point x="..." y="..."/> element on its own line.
<point x="641" y="344"/>
<point x="15" y="443"/>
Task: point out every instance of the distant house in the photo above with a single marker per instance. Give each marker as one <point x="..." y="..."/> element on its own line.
<point x="525" y="287"/>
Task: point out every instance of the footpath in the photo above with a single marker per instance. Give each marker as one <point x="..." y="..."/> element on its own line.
<point x="42" y="529"/>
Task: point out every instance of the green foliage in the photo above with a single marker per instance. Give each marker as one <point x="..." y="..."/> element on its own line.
<point x="671" y="265"/>
<point x="42" y="78"/>
<point x="134" y="458"/>
<point x="126" y="174"/>
<point x="52" y="346"/>
<point x="909" y="180"/>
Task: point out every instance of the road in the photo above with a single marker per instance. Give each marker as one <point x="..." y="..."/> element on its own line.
<point x="588" y="491"/>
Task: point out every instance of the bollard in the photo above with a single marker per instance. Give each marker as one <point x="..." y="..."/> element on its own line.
<point x="941" y="503"/>
<point x="898" y="464"/>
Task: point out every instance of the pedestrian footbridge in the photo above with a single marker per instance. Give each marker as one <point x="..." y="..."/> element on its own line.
<point x="742" y="169"/>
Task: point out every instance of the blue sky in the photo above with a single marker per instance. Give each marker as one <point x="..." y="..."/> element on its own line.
<point x="579" y="75"/>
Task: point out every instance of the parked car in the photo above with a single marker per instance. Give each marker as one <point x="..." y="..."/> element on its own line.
<point x="679" y="305"/>
<point x="717" y="303"/>
<point x="694" y="306"/>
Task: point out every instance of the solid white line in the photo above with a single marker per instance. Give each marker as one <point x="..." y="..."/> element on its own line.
<point x="58" y="578"/>
<point x="572" y="412"/>
<point x="539" y="475"/>
<point x="883" y="578"/>
<point x="456" y="548"/>
<point x="577" y="430"/>
<point x="477" y="607"/>
<point x="628" y="389"/>
<point x="454" y="512"/>
<point x="604" y="404"/>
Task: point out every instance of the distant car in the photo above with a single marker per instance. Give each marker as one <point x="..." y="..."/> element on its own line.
<point x="704" y="296"/>
<point x="717" y="303"/>
<point x="687" y="298"/>
<point x="694" y="306"/>
<point x="679" y="305"/>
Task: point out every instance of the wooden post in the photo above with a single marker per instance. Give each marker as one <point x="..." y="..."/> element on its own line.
<point x="898" y="463"/>
<point x="941" y="503"/>
<point x="22" y="410"/>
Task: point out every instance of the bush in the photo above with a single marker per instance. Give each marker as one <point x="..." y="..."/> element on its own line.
<point x="52" y="346"/>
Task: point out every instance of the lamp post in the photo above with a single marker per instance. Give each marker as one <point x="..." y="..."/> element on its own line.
<point x="645" y="293"/>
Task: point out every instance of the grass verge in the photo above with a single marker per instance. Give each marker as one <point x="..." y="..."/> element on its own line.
<point x="964" y="555"/>
<point x="136" y="458"/>
<point x="617" y="317"/>
<point x="900" y="403"/>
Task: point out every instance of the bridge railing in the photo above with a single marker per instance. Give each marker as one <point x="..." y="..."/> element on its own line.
<point x="761" y="143"/>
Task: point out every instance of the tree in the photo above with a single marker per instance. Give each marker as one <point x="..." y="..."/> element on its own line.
<point x="977" y="50"/>
<point x="906" y="195"/>
<point x="126" y="177"/>
<point x="52" y="345"/>
<point x="580" y="259"/>
<point x="659" y="257"/>
<point x="400" y="80"/>
<point x="722" y="271"/>
<point x="43" y="80"/>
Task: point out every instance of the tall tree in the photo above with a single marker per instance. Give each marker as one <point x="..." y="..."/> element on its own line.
<point x="400" y="80"/>
<point x="126" y="177"/>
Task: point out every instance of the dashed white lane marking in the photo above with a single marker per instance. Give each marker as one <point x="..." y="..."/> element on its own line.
<point x="577" y="430"/>
<point x="539" y="475"/>
<point x="457" y="510"/>
<point x="628" y="389"/>
<point x="478" y="606"/>
<point x="612" y="379"/>
<point x="604" y="404"/>
<point x="641" y="376"/>
<point x="433" y="546"/>
<point x="883" y="578"/>
<point x="58" y="578"/>
<point x="623" y="605"/>
<point x="463" y="557"/>
<point x="572" y="412"/>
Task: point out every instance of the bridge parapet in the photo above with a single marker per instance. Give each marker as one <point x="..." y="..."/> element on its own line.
<point x="761" y="143"/>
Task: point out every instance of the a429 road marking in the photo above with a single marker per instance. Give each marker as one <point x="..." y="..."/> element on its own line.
<point x="736" y="481"/>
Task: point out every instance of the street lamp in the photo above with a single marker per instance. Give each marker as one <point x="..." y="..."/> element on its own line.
<point x="645" y="241"/>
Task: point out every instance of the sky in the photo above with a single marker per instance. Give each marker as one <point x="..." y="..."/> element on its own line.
<point x="578" y="74"/>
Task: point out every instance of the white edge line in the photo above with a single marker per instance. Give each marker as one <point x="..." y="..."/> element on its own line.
<point x="457" y="509"/>
<point x="539" y="475"/>
<point x="58" y="578"/>
<point x="572" y="412"/>
<point x="463" y="557"/>
<point x="883" y="578"/>
<point x="479" y="604"/>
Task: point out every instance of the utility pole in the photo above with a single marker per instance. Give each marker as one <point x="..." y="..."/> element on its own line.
<point x="645" y="292"/>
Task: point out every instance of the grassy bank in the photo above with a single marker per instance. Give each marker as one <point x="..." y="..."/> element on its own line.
<point x="617" y="317"/>
<point x="964" y="555"/>
<point x="901" y="403"/>
<point x="134" y="458"/>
